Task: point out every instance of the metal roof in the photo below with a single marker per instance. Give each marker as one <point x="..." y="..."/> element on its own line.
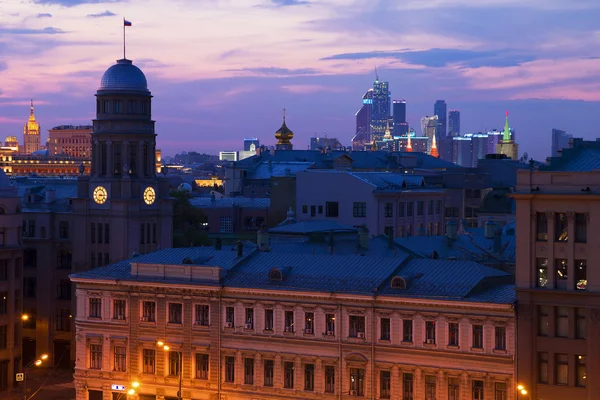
<point x="124" y="76"/>
<point x="306" y="227"/>
<point x="228" y="202"/>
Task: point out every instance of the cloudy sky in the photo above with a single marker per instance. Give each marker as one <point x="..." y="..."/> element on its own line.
<point x="222" y="70"/>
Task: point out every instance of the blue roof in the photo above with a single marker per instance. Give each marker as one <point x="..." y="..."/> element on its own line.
<point x="266" y="169"/>
<point x="383" y="180"/>
<point x="64" y="190"/>
<point x="228" y="202"/>
<point x="123" y="76"/>
<point x="305" y="227"/>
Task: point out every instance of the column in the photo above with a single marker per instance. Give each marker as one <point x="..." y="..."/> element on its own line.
<point x="571" y="250"/>
<point x="396" y="383"/>
<point x="109" y="159"/>
<point x="465" y="389"/>
<point x="550" y="243"/>
<point x="140" y="159"/>
<point x="152" y="158"/>
<point x="441" y="385"/>
<point x="488" y="388"/>
<point x="319" y="376"/>
<point x="278" y="372"/>
<point x="239" y="368"/>
<point x="298" y="374"/>
<point x="95" y="158"/>
<point x="259" y="371"/>
<point x="419" y="384"/>
<point x="125" y="158"/>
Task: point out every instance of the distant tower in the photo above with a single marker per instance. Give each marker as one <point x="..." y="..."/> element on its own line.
<point x="283" y="136"/>
<point x="399" y="127"/>
<point x="381" y="107"/>
<point x="507" y="145"/>
<point x="31" y="133"/>
<point x="439" y="110"/>
<point x="429" y="130"/>
<point x="388" y="133"/>
<point x="454" y="123"/>
<point x="409" y="144"/>
<point x="560" y="140"/>
<point x="434" y="150"/>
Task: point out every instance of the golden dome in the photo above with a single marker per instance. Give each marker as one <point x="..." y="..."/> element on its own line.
<point x="284" y="134"/>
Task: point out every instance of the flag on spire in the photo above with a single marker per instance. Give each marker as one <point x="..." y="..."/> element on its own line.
<point x="126" y="23"/>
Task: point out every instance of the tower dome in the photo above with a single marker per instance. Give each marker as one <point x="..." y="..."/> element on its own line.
<point x="124" y="76"/>
<point x="284" y="134"/>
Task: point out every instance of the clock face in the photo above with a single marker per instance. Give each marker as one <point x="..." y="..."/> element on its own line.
<point x="149" y="195"/>
<point x="100" y="195"/>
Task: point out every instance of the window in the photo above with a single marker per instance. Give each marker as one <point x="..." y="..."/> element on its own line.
<point x="580" y="274"/>
<point x="409" y="208"/>
<point x="330" y="324"/>
<point x="3" y="270"/>
<point x="320" y="208"/>
<point x="407" y="386"/>
<point x="541" y="227"/>
<point x="269" y="369"/>
<point x="542" y="272"/>
<point x="174" y="363"/>
<point x="149" y="311"/>
<point x="100" y="233"/>
<point x="543" y="320"/>
<point x="420" y="208"/>
<point x="580" y="372"/>
<point x="268" y="320"/>
<point x="93" y="232"/>
<point x="120" y="361"/>
<point x="149" y="356"/>
<point x="309" y="323"/>
<point x="63" y="230"/>
<point x="477" y="390"/>
<point x="4" y="364"/>
<point x="63" y="320"/>
<point x="331" y="208"/>
<point x="309" y="377"/>
<point x="438" y="207"/>
<point x="106" y="234"/>
<point x="95" y="307"/>
<point x="289" y="321"/>
<point x="329" y="379"/>
<point x="359" y="209"/>
<point x="429" y="387"/>
<point x="313" y="211"/>
<point x="407" y="330"/>
<point x="202" y="314"/>
<point x="95" y="356"/>
<point x="288" y="375"/>
<point x="175" y="313"/>
<point x="384" y="328"/>
<point x="478" y="336"/>
<point x="65" y="258"/>
<point x="500" y="338"/>
<point x="561" y="227"/>
<point x="305" y="209"/>
<point x="453" y="334"/>
<point x="580" y="228"/>
<point x="388" y="210"/>
<point x="561" y="268"/>
<point x="543" y="367"/>
<point x="201" y="366"/>
<point x="581" y="323"/>
<point x="561" y="369"/>
<point x="29" y="287"/>
<point x="30" y="258"/>
<point x="119" y="309"/>
<point x="357" y="326"/>
<point x="357" y="381"/>
<point x="249" y="371"/>
<point x="430" y="332"/>
<point x="500" y="389"/>
<point x="3" y="336"/>
<point x="453" y="389"/>
<point x="562" y="321"/>
<point x="31" y="230"/>
<point x="93" y="260"/>
<point x="249" y="318"/>
<point x="401" y="209"/>
<point x="230" y="316"/>
<point x="225" y="225"/>
<point x="384" y="384"/>
<point x="229" y="369"/>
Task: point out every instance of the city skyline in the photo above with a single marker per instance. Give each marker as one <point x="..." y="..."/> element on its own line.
<point x="54" y="51"/>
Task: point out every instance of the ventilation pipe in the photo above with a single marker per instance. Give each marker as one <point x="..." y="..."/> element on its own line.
<point x="498" y="241"/>
<point x="262" y="240"/>
<point x="451" y="229"/>
<point x="363" y="237"/>
<point x="490" y="229"/>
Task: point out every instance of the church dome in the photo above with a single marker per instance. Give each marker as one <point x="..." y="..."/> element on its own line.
<point x="124" y="76"/>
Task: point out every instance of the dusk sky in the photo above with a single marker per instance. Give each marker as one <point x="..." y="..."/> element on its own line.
<point x="222" y="70"/>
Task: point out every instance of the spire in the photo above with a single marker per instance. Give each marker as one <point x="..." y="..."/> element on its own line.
<point x="376" y="75"/>
<point x="434" y="151"/>
<point x="408" y="145"/>
<point x="388" y="133"/>
<point x="284" y="115"/>
<point x="506" y="136"/>
<point x="31" y="109"/>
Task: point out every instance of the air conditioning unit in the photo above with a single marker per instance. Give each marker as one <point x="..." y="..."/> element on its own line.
<point x="248" y="326"/>
<point x="360" y="335"/>
<point x="308" y="331"/>
<point x="144" y="319"/>
<point x="330" y="333"/>
<point x="228" y="324"/>
<point x="430" y="341"/>
<point x="288" y="329"/>
<point x="354" y="393"/>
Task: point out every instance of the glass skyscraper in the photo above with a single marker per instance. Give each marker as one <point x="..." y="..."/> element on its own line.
<point x="560" y="140"/>
<point x="440" y="110"/>
<point x="249" y="142"/>
<point x="454" y="123"/>
<point x="381" y="108"/>
<point x="399" y="126"/>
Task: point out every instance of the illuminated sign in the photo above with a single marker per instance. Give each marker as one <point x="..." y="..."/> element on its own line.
<point x="367" y="101"/>
<point x="118" y="387"/>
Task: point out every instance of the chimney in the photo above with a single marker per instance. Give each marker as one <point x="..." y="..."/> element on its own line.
<point x="262" y="240"/>
<point x="498" y="241"/>
<point x="240" y="249"/>
<point x="331" y="242"/>
<point x="490" y="229"/>
<point x="218" y="244"/>
<point x="363" y="237"/>
<point x="390" y="236"/>
<point x="50" y="195"/>
<point x="451" y="229"/>
<point x="212" y="196"/>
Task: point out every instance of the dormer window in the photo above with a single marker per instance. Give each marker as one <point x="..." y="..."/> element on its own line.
<point x="275" y="275"/>
<point x="187" y="261"/>
<point x="398" y="283"/>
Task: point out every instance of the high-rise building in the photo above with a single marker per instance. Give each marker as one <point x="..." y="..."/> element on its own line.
<point x="74" y="141"/>
<point x="463" y="151"/>
<point x="381" y="108"/>
<point x="362" y="136"/>
<point x="560" y="140"/>
<point x="507" y="145"/>
<point x="31" y="133"/>
<point x="317" y="143"/>
<point x="440" y="110"/>
<point x="249" y="142"/>
<point x="399" y="127"/>
<point x="429" y="129"/>
<point x="454" y="123"/>
<point x="12" y="142"/>
<point x="446" y="148"/>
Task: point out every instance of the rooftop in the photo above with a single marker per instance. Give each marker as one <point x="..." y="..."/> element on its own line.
<point x="228" y="202"/>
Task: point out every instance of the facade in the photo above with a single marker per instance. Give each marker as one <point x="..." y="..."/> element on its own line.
<point x="560" y="140"/>
<point x="12" y="143"/>
<point x="42" y="165"/>
<point x="454" y="123"/>
<point x="381" y="108"/>
<point x="386" y="203"/>
<point x="73" y="141"/>
<point x="462" y="151"/>
<point x="31" y="134"/>
<point x="233" y="215"/>
<point x="417" y="143"/>
<point x="277" y="325"/>
<point x="440" y="110"/>
<point x="248" y="142"/>
<point x="400" y="126"/>
<point x="11" y="284"/>
<point x="507" y="144"/>
<point x="228" y="156"/>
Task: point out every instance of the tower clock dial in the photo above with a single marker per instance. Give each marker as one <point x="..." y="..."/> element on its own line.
<point x="100" y="195"/>
<point x="149" y="195"/>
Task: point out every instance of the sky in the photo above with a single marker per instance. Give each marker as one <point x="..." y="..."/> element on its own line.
<point x="222" y="70"/>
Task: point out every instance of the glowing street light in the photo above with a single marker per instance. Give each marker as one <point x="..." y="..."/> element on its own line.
<point x="523" y="391"/>
<point x="36" y="362"/>
<point x="24" y="317"/>
<point x="165" y="347"/>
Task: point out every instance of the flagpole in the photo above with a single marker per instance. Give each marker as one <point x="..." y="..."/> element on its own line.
<point x="124" y="39"/>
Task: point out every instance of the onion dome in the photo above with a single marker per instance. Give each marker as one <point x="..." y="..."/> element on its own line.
<point x="124" y="76"/>
<point x="284" y="134"/>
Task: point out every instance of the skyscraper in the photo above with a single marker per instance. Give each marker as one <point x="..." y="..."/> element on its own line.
<point x="31" y="133"/>
<point x="400" y="127"/>
<point x="507" y="145"/>
<point x="439" y="110"/>
<point x="454" y="123"/>
<point x="249" y="142"/>
<point x="381" y="108"/>
<point x="429" y="130"/>
<point x="362" y="135"/>
<point x="560" y="140"/>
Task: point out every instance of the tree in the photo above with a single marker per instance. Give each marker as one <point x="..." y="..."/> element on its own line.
<point x="188" y="228"/>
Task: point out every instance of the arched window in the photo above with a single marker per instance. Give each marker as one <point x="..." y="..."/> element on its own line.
<point x="275" y="275"/>
<point x="398" y="283"/>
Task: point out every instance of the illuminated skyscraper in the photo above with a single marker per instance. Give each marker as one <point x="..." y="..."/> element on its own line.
<point x="454" y="123"/>
<point x="249" y="142"/>
<point x="31" y="133"/>
<point x="507" y="145"/>
<point x="439" y="110"/>
<point x="381" y="107"/>
<point x="429" y="130"/>
<point x="400" y="127"/>
<point x="362" y="136"/>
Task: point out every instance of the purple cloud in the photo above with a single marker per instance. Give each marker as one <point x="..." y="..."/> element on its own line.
<point x="44" y="15"/>
<point x="106" y="13"/>
<point x="29" y="31"/>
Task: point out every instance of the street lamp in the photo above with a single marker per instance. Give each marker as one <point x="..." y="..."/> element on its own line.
<point x="165" y="347"/>
<point x="131" y="391"/>
<point x="37" y="363"/>
<point x="523" y="391"/>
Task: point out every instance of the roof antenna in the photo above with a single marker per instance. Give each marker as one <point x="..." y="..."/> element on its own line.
<point x="376" y="75"/>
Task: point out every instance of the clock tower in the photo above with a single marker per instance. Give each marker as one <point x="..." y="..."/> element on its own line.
<point x="123" y="207"/>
